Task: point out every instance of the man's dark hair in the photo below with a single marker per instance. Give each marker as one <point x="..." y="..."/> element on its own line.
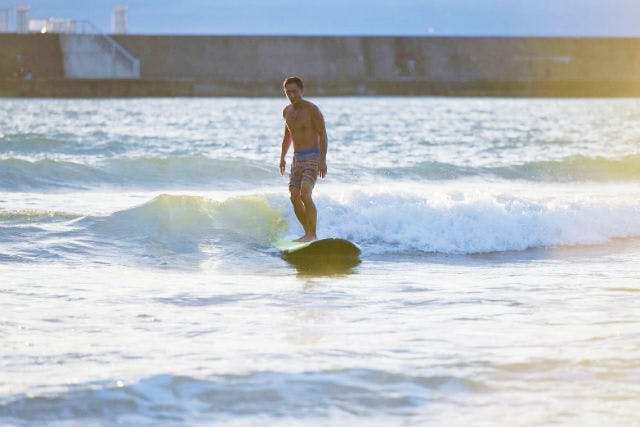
<point x="295" y="80"/>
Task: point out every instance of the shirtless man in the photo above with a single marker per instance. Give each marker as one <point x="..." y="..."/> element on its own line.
<point x="305" y="128"/>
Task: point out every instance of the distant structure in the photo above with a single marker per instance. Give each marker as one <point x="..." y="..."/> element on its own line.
<point x="22" y="18"/>
<point x="4" y="20"/>
<point x="52" y="25"/>
<point x="119" y="19"/>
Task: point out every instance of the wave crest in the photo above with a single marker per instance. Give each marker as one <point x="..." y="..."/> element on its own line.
<point x="30" y="215"/>
<point x="183" y="221"/>
<point x="467" y="224"/>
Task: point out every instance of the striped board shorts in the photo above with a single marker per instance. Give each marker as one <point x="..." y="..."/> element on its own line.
<point x="304" y="167"/>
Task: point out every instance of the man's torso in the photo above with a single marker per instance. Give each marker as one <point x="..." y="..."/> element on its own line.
<point x="300" y="125"/>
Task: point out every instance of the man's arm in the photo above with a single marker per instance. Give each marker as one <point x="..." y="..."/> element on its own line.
<point x="286" y="143"/>
<point x="318" y="124"/>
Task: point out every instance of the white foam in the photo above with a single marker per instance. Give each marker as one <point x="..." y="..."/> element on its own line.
<point x="462" y="222"/>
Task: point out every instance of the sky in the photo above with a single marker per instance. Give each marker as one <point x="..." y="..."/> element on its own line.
<point x="573" y="18"/>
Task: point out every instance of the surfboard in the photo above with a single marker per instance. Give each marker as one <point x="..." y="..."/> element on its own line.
<point x="320" y="257"/>
<point x="327" y="247"/>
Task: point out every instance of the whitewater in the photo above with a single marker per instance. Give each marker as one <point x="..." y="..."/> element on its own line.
<point x="498" y="282"/>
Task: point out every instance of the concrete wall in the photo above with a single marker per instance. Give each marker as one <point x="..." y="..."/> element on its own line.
<point x="39" y="52"/>
<point x="246" y="59"/>
<point x="255" y="66"/>
<point x="353" y="59"/>
<point x="520" y="59"/>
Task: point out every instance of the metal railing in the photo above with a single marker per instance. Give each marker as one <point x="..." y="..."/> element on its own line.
<point x="120" y="54"/>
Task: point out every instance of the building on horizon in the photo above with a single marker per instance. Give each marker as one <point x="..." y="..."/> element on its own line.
<point x="22" y="18"/>
<point x="4" y="20"/>
<point x="119" y="19"/>
<point x="52" y="25"/>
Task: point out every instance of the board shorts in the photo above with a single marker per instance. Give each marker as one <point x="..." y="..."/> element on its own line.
<point x="305" y="167"/>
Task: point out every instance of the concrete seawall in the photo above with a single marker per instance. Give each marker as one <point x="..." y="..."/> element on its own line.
<point x="39" y="53"/>
<point x="255" y="66"/>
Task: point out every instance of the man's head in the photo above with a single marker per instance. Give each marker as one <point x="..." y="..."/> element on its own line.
<point x="293" y="88"/>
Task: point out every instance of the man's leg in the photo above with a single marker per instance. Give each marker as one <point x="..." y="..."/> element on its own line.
<point x="311" y="214"/>
<point x="299" y="208"/>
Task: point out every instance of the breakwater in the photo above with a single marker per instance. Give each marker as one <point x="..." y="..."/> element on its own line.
<point x="255" y="66"/>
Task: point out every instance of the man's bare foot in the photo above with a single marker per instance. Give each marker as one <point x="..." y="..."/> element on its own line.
<point x="307" y="238"/>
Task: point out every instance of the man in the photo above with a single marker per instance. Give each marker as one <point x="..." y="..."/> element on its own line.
<point x="304" y="126"/>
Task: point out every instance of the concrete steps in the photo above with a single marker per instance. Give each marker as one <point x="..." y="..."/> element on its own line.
<point x="96" y="56"/>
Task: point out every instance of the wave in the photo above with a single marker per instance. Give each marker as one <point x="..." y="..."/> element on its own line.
<point x="149" y="172"/>
<point x="468" y="224"/>
<point x="427" y="170"/>
<point x="186" y="170"/>
<point x="172" y="399"/>
<point x="572" y="168"/>
<point x="380" y="222"/>
<point x="177" y="230"/>
<point x="34" y="215"/>
<point x="60" y="143"/>
<point x="182" y="222"/>
<point x="19" y="174"/>
<point x="575" y="168"/>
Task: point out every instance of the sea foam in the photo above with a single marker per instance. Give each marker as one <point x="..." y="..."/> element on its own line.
<point x="459" y="223"/>
<point x="380" y="221"/>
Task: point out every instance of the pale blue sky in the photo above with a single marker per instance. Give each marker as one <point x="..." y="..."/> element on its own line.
<point x="617" y="18"/>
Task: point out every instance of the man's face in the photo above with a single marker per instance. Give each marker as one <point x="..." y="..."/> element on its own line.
<point x="293" y="92"/>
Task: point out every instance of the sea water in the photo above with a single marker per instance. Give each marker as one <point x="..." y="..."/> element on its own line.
<point x="499" y="281"/>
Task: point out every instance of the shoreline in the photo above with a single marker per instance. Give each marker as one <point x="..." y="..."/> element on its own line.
<point x="129" y="88"/>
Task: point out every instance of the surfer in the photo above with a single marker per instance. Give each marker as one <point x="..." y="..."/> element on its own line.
<point x="304" y="126"/>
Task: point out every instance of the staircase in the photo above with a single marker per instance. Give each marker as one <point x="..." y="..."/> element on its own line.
<point x="90" y="54"/>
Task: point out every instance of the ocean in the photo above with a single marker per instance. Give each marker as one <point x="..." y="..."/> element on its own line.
<point x="499" y="280"/>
